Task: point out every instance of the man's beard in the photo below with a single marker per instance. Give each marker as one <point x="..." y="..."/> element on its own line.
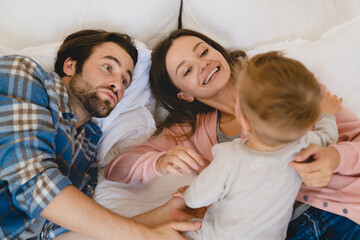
<point x="87" y="96"/>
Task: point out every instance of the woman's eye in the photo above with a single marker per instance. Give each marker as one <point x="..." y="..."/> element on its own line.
<point x="187" y="71"/>
<point x="124" y="82"/>
<point x="204" y="52"/>
<point x="107" y="67"/>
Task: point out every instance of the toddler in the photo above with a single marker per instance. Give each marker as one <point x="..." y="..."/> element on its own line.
<point x="249" y="184"/>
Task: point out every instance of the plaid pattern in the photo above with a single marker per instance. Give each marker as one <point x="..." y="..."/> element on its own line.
<point x="41" y="152"/>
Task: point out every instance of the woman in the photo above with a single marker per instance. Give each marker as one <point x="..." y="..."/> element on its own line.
<point x="191" y="77"/>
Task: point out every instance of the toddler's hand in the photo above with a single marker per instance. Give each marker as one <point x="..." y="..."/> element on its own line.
<point x="180" y="192"/>
<point x="331" y="104"/>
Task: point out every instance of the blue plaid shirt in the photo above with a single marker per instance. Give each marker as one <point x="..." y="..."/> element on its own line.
<point x="41" y="151"/>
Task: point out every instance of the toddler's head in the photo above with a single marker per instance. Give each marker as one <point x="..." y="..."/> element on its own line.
<point x="278" y="97"/>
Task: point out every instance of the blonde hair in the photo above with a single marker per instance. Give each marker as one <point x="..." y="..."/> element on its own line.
<point x="279" y="96"/>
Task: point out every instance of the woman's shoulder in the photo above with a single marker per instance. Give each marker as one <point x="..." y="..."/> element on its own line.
<point x="205" y="129"/>
<point x="206" y="122"/>
<point x="206" y="118"/>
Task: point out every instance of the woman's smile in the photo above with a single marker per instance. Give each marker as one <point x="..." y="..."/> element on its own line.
<point x="212" y="75"/>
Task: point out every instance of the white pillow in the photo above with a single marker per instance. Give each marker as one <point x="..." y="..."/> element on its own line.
<point x="36" y="22"/>
<point x="245" y="24"/>
<point x="126" y="130"/>
<point x="44" y="54"/>
<point x="334" y="59"/>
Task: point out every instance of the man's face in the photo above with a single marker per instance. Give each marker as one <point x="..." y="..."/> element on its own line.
<point x="105" y="76"/>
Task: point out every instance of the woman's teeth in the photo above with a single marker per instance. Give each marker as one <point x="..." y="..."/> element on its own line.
<point x="210" y="75"/>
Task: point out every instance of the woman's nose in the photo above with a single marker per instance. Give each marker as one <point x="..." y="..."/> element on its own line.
<point x="203" y="65"/>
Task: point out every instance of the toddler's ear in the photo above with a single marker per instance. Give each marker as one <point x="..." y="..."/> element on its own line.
<point x="241" y="118"/>
<point x="245" y="126"/>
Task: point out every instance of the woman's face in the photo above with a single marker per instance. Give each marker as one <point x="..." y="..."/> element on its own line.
<point x="196" y="68"/>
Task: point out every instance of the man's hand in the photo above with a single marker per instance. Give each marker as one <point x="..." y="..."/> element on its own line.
<point x="173" y="210"/>
<point x="318" y="172"/>
<point x="78" y="213"/>
<point x="179" y="211"/>
<point x="171" y="230"/>
<point x="180" y="192"/>
<point x="164" y="231"/>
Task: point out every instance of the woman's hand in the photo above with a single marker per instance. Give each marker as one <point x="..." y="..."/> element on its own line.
<point x="318" y="172"/>
<point x="180" y="159"/>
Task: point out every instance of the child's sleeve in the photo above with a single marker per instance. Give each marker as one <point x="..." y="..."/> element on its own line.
<point x="212" y="183"/>
<point x="325" y="131"/>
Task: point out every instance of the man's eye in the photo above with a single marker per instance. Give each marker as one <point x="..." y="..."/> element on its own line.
<point x="204" y="53"/>
<point x="107" y="67"/>
<point x="187" y="71"/>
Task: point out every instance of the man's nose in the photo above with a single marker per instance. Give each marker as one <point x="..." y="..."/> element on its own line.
<point x="115" y="85"/>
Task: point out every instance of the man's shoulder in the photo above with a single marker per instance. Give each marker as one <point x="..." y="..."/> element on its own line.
<point x="94" y="129"/>
<point x="14" y="60"/>
<point x="25" y="79"/>
<point x="22" y="66"/>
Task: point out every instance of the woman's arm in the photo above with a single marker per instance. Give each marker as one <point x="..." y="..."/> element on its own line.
<point x="140" y="162"/>
<point x="348" y="146"/>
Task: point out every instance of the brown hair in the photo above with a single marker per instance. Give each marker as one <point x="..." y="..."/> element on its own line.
<point x="282" y="93"/>
<point x="79" y="46"/>
<point x="165" y="92"/>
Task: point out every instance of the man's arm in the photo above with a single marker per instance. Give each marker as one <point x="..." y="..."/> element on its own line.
<point x="75" y="211"/>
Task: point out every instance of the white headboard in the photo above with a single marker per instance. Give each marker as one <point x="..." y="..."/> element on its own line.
<point x="26" y="23"/>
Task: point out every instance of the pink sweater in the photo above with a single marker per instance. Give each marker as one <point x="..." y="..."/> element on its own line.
<point x="341" y="196"/>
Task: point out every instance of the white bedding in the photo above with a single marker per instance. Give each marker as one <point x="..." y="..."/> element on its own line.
<point x="334" y="59"/>
<point x="135" y="198"/>
<point x="297" y="27"/>
<point x="244" y="24"/>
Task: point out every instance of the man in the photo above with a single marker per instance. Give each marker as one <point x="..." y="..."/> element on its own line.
<point x="48" y="142"/>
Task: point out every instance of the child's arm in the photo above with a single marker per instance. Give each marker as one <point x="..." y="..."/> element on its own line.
<point x="326" y="128"/>
<point x="212" y="183"/>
